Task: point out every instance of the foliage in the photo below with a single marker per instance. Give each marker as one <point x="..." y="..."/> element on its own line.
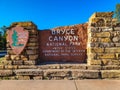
<point x="1" y="59"/>
<point x="3" y="38"/>
<point x="117" y="12"/>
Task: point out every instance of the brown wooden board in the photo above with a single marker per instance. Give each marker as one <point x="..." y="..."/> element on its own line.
<point x="63" y="46"/>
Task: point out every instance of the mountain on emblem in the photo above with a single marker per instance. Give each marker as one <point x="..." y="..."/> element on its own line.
<point x="18" y="38"/>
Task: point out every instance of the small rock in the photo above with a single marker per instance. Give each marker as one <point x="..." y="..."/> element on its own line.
<point x="116" y="39"/>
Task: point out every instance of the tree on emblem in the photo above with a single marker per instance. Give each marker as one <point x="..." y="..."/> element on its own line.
<point x="15" y="39"/>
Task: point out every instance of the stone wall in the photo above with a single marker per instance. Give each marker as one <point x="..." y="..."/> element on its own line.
<point x="103" y="40"/>
<point x="50" y="72"/>
<point x="29" y="55"/>
<point x="58" y="72"/>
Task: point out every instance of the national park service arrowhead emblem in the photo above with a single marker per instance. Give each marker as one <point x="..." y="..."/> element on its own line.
<point x="18" y="38"/>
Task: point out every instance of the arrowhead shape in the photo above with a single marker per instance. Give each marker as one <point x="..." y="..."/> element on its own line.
<point x="18" y="38"/>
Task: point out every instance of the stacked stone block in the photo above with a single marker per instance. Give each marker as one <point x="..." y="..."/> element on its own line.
<point x="29" y="55"/>
<point x="103" y="40"/>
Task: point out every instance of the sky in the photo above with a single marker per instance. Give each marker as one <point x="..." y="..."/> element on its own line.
<point x="48" y="14"/>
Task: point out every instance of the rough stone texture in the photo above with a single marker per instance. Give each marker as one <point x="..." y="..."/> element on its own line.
<point x="30" y="62"/>
<point x="32" y="48"/>
<point x="23" y="77"/>
<point x="7" y="57"/>
<point x="57" y="74"/>
<point x="117" y="28"/>
<point x="51" y="66"/>
<point x="64" y="72"/>
<point x="6" y="72"/>
<point x="25" y="58"/>
<point x="101" y="35"/>
<point x="28" y="72"/>
<point x="2" y="67"/>
<point x="73" y="66"/>
<point x="33" y="57"/>
<point x="110" y="74"/>
<point x="32" y="44"/>
<point x="97" y="50"/>
<point x="27" y="67"/>
<point x="86" y="74"/>
<point x="94" y="67"/>
<point x="117" y="44"/>
<point x="5" y="62"/>
<point x="29" y="52"/>
<point x="11" y="67"/>
<point x="110" y="62"/>
<point x="103" y="46"/>
<point x="33" y="40"/>
<point x="15" y="57"/>
<point x="37" y="77"/>
<point x="106" y="56"/>
<point x="112" y="50"/>
<point x="94" y="62"/>
<point x="110" y="67"/>
<point x="19" y="62"/>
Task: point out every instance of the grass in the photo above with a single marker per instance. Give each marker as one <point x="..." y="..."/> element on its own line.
<point x="1" y="59"/>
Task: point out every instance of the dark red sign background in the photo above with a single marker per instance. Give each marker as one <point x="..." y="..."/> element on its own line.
<point x="69" y="53"/>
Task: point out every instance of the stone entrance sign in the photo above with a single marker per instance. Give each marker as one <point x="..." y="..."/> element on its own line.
<point x="18" y="38"/>
<point x="63" y="44"/>
<point x="98" y="41"/>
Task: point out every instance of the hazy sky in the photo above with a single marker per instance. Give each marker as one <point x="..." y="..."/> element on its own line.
<point x="52" y="13"/>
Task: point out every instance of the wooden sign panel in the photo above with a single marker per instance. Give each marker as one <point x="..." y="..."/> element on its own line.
<point x="17" y="38"/>
<point x="63" y="45"/>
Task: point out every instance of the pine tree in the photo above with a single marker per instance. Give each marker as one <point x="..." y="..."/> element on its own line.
<point x="3" y="37"/>
<point x="4" y="41"/>
<point x="1" y="42"/>
<point x="14" y="38"/>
